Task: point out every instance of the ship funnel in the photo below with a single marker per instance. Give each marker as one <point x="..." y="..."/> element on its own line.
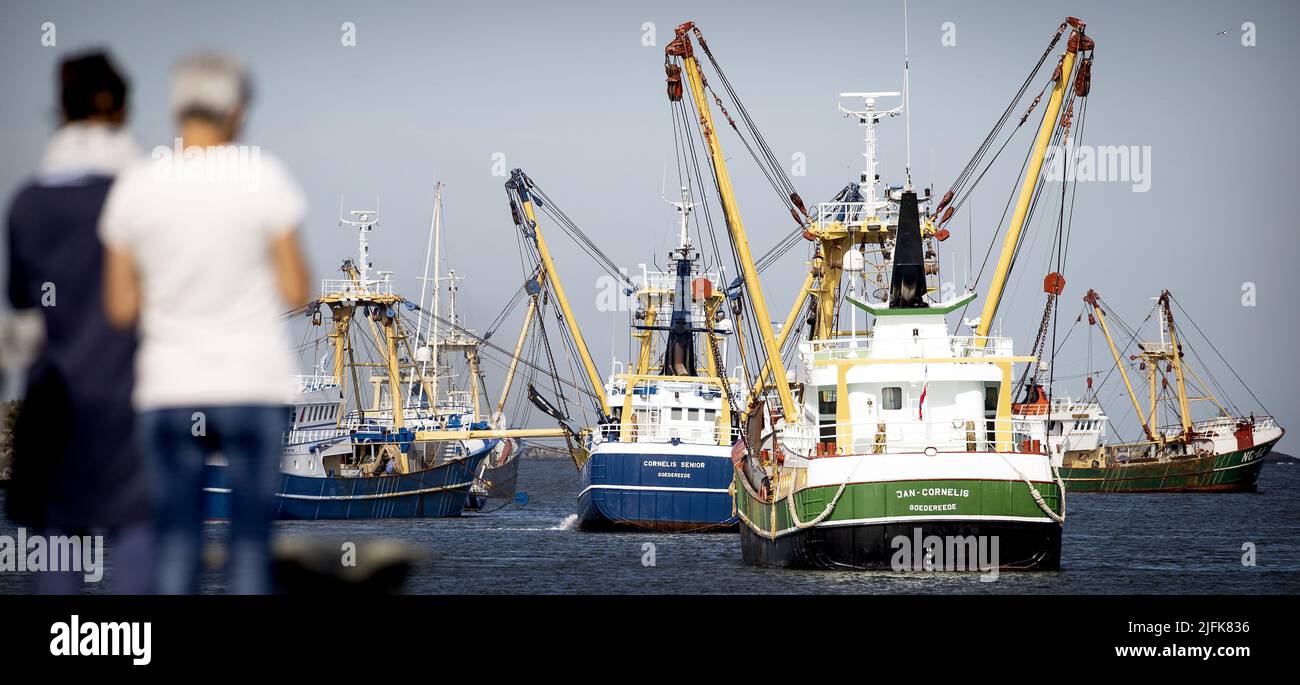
<point x="907" y="284"/>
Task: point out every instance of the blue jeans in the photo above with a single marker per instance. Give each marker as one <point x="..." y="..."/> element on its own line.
<point x="176" y="442"/>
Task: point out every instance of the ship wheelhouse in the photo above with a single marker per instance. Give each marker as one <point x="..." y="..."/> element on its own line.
<point x="907" y="387"/>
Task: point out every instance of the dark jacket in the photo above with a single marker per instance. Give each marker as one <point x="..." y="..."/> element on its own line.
<point x="75" y="460"/>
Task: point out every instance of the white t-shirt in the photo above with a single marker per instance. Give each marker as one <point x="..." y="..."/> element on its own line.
<point x="199" y="227"/>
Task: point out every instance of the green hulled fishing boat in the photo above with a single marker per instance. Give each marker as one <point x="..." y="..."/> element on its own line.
<point x="1223" y="453"/>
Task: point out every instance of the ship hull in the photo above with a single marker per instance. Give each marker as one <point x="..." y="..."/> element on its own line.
<point x="657" y="487"/>
<point x="495" y="481"/>
<point x="1235" y="471"/>
<point x="1021" y="546"/>
<point x="873" y="520"/>
<point x="437" y="492"/>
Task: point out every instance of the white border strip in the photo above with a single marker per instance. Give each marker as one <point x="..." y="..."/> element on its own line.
<point x="652" y="488"/>
<point x="379" y="495"/>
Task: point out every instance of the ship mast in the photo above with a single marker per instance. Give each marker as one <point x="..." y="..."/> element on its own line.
<point x="869" y="118"/>
<point x="359" y="290"/>
<point x="434" y="322"/>
<point x="435" y="239"/>
<point x="1175" y="352"/>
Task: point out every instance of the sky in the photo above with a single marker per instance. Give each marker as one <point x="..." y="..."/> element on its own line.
<point x="573" y="93"/>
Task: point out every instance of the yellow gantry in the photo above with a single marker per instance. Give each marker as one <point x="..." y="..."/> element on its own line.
<point x="1176" y="353"/>
<point x="646" y="338"/>
<point x="1091" y="298"/>
<point x="514" y="362"/>
<point x="550" y="274"/>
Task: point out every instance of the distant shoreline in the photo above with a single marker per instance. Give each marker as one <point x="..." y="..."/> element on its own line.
<point x="1276" y="457"/>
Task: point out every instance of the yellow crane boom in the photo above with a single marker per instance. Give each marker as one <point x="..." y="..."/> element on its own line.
<point x="518" y="185"/>
<point x="1100" y="315"/>
<point x="1051" y="121"/>
<point x="681" y="47"/>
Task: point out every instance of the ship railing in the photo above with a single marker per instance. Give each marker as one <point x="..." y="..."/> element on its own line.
<point x="1073" y="406"/>
<point x="414" y="419"/>
<point x="666" y="280"/>
<point x="653" y="430"/>
<point x="311" y="382"/>
<point x="649" y="387"/>
<point x="856" y="214"/>
<point x="1225" y="424"/>
<point x="864" y="347"/>
<point x="926" y="436"/>
<point x="300" y="436"/>
<point x="1064" y="405"/>
<point x="347" y="286"/>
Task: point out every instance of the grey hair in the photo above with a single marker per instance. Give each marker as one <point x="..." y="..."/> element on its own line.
<point x="209" y="85"/>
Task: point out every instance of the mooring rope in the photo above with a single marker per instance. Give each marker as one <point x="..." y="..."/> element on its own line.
<point x="1038" y="496"/>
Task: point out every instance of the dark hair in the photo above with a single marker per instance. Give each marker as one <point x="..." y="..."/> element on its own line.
<point x="89" y="85"/>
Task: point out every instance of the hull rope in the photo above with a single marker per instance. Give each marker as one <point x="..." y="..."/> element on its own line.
<point x="1038" y="496"/>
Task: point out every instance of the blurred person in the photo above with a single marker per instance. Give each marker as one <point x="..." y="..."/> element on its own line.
<point x="202" y="249"/>
<point x="76" y="469"/>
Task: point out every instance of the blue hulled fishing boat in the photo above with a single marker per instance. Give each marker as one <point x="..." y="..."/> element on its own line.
<point x="381" y="430"/>
<point x="659" y="457"/>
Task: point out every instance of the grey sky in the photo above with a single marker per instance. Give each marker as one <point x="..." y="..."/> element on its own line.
<point x="567" y="91"/>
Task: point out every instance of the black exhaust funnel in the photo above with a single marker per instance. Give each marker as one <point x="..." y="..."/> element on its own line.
<point x="907" y="283"/>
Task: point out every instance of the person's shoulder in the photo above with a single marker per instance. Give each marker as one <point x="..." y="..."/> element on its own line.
<point x="25" y="196"/>
<point x="36" y="197"/>
<point x="138" y="171"/>
<point x="285" y="203"/>
<point x="272" y="166"/>
<point x="133" y="177"/>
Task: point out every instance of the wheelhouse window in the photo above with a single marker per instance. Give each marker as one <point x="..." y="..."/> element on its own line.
<point x="990" y="398"/>
<point x="826" y="401"/>
<point x="891" y="398"/>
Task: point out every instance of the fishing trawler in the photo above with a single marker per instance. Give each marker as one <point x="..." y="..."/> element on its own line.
<point x="391" y="444"/>
<point x="1220" y="454"/>
<point x="905" y="430"/>
<point x="664" y="460"/>
<point x="659" y="455"/>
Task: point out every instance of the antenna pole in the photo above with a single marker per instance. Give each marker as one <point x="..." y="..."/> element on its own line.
<point x="907" y="102"/>
<point x="423" y="320"/>
<point x="437" y="295"/>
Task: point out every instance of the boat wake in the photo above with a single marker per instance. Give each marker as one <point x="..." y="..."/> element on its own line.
<point x="567" y="523"/>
